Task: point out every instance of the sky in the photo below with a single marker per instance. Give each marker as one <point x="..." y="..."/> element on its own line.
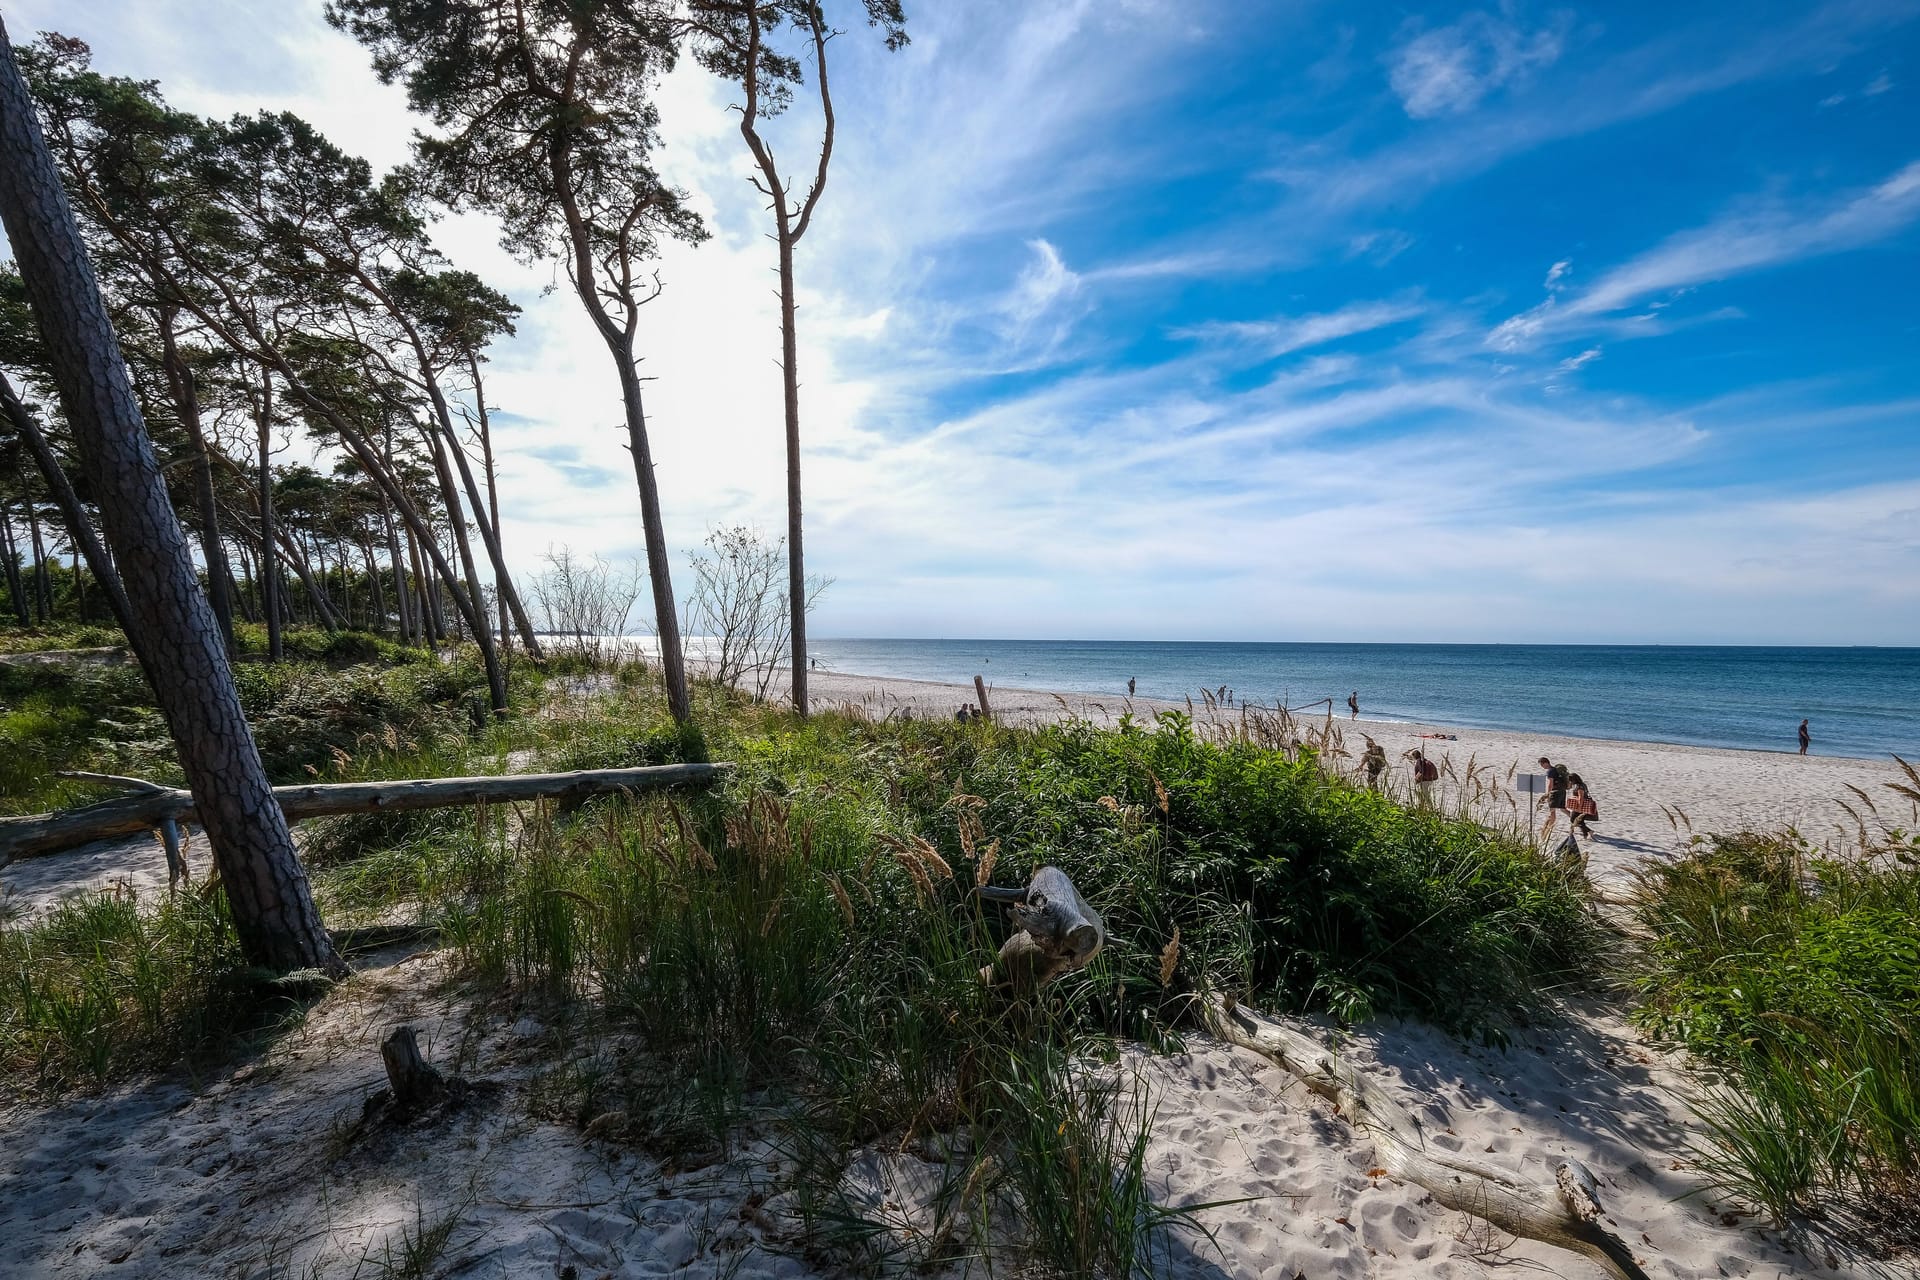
<point x="1184" y="319"/>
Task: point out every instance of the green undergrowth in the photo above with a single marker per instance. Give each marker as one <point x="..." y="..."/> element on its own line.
<point x="103" y="987"/>
<point x="1798" y="974"/>
<point x="311" y="718"/>
<point x="61" y="635"/>
<point x="801" y="947"/>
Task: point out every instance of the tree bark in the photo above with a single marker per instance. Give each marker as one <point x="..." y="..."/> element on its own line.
<point x="86" y="542"/>
<point x="484" y="426"/>
<point x="269" y="561"/>
<point x="673" y="658"/>
<point x="457" y="525"/>
<point x="42" y="589"/>
<point x="11" y="555"/>
<point x="788" y="229"/>
<point x="173" y="632"/>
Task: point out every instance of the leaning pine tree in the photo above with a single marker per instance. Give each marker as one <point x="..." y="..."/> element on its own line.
<point x="544" y="117"/>
<point x="173" y="629"/>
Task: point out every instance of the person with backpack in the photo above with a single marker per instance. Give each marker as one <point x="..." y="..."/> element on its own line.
<point x="1425" y="774"/>
<point x="1556" y="798"/>
<point x="1374" y="761"/>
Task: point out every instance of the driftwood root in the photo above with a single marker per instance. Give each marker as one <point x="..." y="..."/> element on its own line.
<point x="1057" y="932"/>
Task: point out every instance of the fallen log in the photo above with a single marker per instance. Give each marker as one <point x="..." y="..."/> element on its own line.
<point x="1565" y="1212"/>
<point x="153" y="805"/>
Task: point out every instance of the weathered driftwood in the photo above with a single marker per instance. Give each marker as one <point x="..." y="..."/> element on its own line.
<point x="152" y="805"/>
<point x="1058" y="931"/>
<point x="980" y="688"/>
<point x="1565" y="1212"/>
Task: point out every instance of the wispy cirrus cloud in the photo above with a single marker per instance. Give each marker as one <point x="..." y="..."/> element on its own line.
<point x="1750" y="238"/>
<point x="1284" y="334"/>
<point x="1645" y="80"/>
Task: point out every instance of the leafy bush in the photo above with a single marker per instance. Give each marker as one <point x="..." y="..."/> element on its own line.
<point x="335" y="648"/>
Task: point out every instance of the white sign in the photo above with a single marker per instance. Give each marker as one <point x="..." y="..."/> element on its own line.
<point x="1533" y="784"/>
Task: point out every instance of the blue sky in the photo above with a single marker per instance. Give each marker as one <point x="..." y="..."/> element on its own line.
<point x="1257" y="321"/>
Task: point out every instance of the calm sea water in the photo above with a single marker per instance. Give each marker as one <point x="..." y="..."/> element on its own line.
<point x="1862" y="702"/>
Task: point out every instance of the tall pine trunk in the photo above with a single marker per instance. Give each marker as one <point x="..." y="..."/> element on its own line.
<point x="269" y="562"/>
<point x="11" y="555"/>
<point x="42" y="589"/>
<point x="173" y="632"/>
<point x="673" y="660"/>
<point x="186" y="403"/>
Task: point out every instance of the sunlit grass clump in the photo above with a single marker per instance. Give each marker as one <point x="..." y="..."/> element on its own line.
<point x="1800" y="975"/>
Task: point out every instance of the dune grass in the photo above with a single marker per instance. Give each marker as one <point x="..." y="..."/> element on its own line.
<point x="1798" y="973"/>
<point x="798" y="951"/>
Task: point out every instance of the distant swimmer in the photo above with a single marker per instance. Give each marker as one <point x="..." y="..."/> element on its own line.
<point x="1805" y="737"/>
<point x="1353" y="704"/>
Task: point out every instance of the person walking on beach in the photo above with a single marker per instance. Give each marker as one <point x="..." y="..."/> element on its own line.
<point x="1353" y="704"/>
<point x="1425" y="774"/>
<point x="1130" y="686"/>
<point x="1374" y="761"/>
<point x="1582" y="808"/>
<point x="1805" y="737"/>
<point x="1557" y="778"/>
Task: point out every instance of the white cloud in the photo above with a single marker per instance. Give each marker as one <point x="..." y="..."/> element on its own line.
<point x="1295" y="333"/>
<point x="1043" y="285"/>
<point x="1878" y="85"/>
<point x="1586" y="357"/>
<point x="1747" y="239"/>
<point x="1557" y="272"/>
<point x="1449" y="70"/>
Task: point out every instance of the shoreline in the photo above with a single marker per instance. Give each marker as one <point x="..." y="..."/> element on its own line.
<point x="1448" y="726"/>
<point x="1654" y="797"/>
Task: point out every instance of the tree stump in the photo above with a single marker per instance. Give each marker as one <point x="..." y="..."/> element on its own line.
<point x="411" y="1079"/>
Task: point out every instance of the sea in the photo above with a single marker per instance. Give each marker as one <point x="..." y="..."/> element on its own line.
<point x="1859" y="701"/>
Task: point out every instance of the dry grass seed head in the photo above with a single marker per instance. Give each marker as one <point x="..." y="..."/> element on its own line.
<point x="1170" y="957"/>
<point x="983" y="874"/>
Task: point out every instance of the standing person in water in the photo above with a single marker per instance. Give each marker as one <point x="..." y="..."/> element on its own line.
<point x="1130" y="680"/>
<point x="1353" y="704"/>
<point x="1805" y="737"/>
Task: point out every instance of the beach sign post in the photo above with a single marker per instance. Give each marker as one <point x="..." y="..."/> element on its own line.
<point x="1531" y="785"/>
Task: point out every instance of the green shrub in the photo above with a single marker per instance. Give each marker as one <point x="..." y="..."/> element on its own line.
<point x="1801" y="975"/>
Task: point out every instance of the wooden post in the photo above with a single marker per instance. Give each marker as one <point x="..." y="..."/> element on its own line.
<point x="980" y="687"/>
